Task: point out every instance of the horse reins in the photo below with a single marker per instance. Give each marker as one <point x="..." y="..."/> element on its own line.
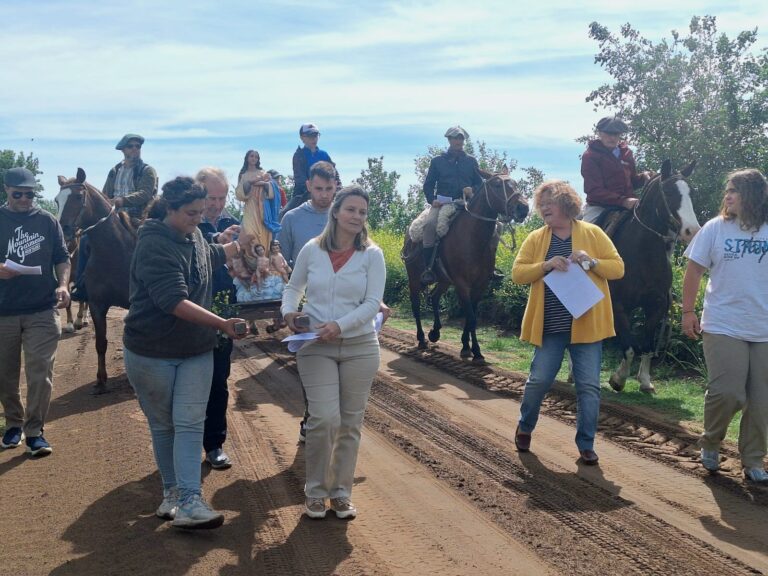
<point x="676" y="224"/>
<point x="80" y="231"/>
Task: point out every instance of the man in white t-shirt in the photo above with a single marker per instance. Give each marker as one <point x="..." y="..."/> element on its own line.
<point x="733" y="247"/>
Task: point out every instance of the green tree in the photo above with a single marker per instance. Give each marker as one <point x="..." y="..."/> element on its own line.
<point x="11" y="159"/>
<point x="703" y="96"/>
<point x="381" y="187"/>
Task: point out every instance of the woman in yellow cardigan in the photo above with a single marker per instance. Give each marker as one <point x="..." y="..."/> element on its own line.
<point x="564" y="241"/>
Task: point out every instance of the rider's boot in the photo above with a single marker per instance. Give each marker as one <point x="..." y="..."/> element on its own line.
<point x="428" y="276"/>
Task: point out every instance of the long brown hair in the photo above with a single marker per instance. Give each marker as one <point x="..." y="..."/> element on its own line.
<point x="752" y="187"/>
<point x="327" y="239"/>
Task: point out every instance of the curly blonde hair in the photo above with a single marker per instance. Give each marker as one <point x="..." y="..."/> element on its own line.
<point x="561" y="194"/>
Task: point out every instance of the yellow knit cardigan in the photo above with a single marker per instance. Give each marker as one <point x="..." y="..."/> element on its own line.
<point x="595" y="324"/>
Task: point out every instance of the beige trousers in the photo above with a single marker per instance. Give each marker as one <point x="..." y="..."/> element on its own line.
<point x="337" y="378"/>
<point x="738" y="380"/>
<point x="38" y="336"/>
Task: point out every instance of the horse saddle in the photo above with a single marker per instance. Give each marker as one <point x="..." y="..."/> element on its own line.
<point x="612" y="219"/>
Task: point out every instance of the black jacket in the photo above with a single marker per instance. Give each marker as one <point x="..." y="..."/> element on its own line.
<point x="450" y="173"/>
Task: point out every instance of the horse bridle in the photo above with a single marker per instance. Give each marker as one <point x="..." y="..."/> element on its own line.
<point x="507" y="214"/>
<point x="675" y="225"/>
<point x="77" y="224"/>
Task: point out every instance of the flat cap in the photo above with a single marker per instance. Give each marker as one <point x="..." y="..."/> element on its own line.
<point x="127" y="138"/>
<point x="455" y="132"/>
<point x="612" y="125"/>
<point x="308" y="130"/>
<point x="19" y="178"/>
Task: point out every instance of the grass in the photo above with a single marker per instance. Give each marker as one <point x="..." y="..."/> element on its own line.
<point x="678" y="399"/>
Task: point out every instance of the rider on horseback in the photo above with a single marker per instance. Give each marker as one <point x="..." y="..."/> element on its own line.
<point x="608" y="168"/>
<point x="446" y="179"/>
<point x="131" y="184"/>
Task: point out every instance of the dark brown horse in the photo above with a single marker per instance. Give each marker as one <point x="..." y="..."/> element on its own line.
<point x="73" y="245"/>
<point x="465" y="257"/>
<point x="645" y="242"/>
<point x="84" y="209"/>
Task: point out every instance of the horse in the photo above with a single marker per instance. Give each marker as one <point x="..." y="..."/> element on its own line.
<point x="84" y="209"/>
<point x="73" y="246"/>
<point x="465" y="257"/>
<point x="645" y="239"/>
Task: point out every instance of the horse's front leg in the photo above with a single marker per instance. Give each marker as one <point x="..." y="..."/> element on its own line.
<point x="434" y="334"/>
<point x="470" y="324"/>
<point x="654" y="316"/>
<point x="477" y="356"/>
<point x="82" y="316"/>
<point x="69" y="327"/>
<point x="416" y="311"/>
<point x="99" y="317"/>
<point x="621" y="323"/>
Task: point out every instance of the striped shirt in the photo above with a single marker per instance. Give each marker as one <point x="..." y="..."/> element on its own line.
<point x="556" y="316"/>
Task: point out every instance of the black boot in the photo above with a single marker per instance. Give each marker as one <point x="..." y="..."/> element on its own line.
<point x="428" y="276"/>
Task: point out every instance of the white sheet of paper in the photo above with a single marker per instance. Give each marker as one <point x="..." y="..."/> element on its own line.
<point x="444" y="199"/>
<point x="21" y="269"/>
<point x="574" y="289"/>
<point x="296" y="341"/>
<point x="378" y="321"/>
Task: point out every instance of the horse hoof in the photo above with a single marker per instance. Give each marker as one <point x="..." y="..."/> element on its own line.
<point x="617" y="385"/>
<point x="479" y="361"/>
<point x="465" y="353"/>
<point x="68" y="329"/>
<point x="422" y="345"/>
<point x="434" y="335"/>
<point x="648" y="390"/>
<point x="99" y="389"/>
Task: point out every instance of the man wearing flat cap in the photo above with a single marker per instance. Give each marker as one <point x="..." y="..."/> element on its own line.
<point x="303" y="159"/>
<point x="34" y="275"/>
<point x="608" y="168"/>
<point x="130" y="185"/>
<point x="446" y="179"/>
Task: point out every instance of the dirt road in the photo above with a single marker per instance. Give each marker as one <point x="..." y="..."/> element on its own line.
<point x="439" y="486"/>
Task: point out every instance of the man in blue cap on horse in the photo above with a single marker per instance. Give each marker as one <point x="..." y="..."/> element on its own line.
<point x="131" y="185"/>
<point x="446" y="179"/>
<point x="609" y="171"/>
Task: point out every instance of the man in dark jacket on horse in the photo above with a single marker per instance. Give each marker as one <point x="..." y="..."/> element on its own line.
<point x="130" y="185"/>
<point x="446" y="179"/>
<point x="609" y="171"/>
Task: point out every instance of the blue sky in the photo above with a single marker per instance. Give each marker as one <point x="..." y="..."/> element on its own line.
<point x="205" y="81"/>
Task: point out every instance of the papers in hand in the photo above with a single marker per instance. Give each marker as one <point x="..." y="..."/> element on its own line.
<point x="574" y="289"/>
<point x="21" y="269"/>
<point x="443" y="199"/>
<point x="296" y="341"/>
<point x="378" y="322"/>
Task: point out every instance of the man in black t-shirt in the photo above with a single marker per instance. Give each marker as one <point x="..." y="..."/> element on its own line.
<point x="30" y="294"/>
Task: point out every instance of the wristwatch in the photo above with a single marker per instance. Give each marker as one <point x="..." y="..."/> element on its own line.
<point x="589" y="264"/>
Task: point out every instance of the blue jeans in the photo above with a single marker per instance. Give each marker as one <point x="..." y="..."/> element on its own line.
<point x="547" y="360"/>
<point x="173" y="394"/>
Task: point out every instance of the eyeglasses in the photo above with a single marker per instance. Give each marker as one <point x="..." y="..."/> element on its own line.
<point x="129" y="146"/>
<point x="17" y="195"/>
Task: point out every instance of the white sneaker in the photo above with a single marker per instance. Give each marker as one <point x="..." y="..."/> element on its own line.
<point x="756" y="475"/>
<point x="314" y="507"/>
<point x="343" y="507"/>
<point x="710" y="459"/>
<point x="167" y="508"/>
<point x="194" y="513"/>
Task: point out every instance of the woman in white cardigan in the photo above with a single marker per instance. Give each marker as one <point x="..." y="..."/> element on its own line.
<point x="342" y="274"/>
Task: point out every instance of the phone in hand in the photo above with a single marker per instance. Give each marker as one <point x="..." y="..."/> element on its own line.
<point x="301" y="321"/>
<point x="240" y="328"/>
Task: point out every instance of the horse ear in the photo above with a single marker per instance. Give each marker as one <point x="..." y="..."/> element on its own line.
<point x="485" y="174"/>
<point x="688" y="170"/>
<point x="62" y="180"/>
<point x="505" y="170"/>
<point x="666" y="169"/>
<point x="80" y="178"/>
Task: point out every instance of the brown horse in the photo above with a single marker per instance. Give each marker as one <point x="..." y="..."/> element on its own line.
<point x="84" y="209"/>
<point x="465" y="257"/>
<point x="73" y="245"/>
<point x="645" y="241"/>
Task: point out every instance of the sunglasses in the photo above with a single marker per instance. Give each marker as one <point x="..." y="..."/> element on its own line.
<point x="17" y="195"/>
<point x="129" y="146"/>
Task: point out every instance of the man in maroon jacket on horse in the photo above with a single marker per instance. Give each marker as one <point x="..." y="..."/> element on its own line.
<point x="609" y="171"/>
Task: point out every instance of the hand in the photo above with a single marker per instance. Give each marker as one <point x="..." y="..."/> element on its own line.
<point x="62" y="297"/>
<point x="691" y="326"/>
<point x="289" y="318"/>
<point x="327" y="331"/>
<point x="386" y="312"/>
<point x="580" y="257"/>
<point x="246" y="240"/>
<point x="119" y="201"/>
<point x="229" y="328"/>
<point x="7" y="273"/>
<point x="228" y="235"/>
<point x="555" y="263"/>
<point x="629" y="203"/>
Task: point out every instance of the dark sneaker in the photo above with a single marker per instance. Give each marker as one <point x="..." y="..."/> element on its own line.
<point x="522" y="441"/>
<point x="343" y="507"/>
<point x="710" y="459"/>
<point x="303" y="432"/>
<point x="37" y="446"/>
<point x="12" y="438"/>
<point x="589" y="457"/>
<point x="756" y="475"/>
<point x="194" y="513"/>
<point x="218" y="459"/>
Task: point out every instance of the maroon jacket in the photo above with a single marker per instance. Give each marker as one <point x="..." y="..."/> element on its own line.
<point x="607" y="179"/>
